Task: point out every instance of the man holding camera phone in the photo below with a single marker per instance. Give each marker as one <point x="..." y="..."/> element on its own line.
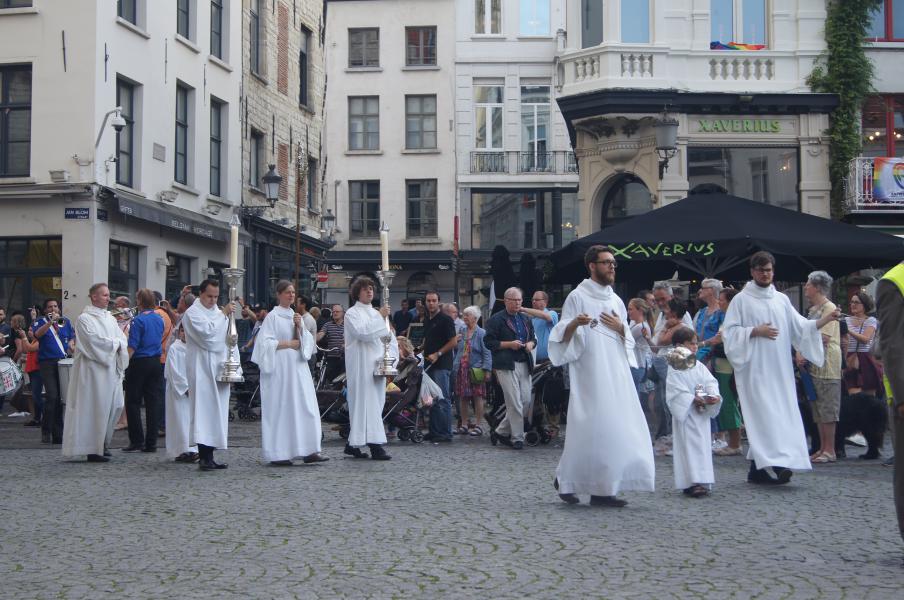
<point x="56" y="340"/>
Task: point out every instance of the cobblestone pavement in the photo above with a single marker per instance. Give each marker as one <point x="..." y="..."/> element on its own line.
<point x="459" y="520"/>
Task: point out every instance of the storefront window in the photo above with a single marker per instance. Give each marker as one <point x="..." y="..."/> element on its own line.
<point x="768" y="175"/>
<point x="30" y="271"/>
<point x="122" y="276"/>
<point x="178" y="274"/>
<point x="523" y="220"/>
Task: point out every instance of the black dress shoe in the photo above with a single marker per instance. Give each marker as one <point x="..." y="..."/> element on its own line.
<point x="607" y="501"/>
<point x="282" y="463"/>
<point x="211" y="465"/>
<point x="377" y="452"/>
<point x="132" y="449"/>
<point x="782" y="475"/>
<point x="519" y="445"/>
<point x="314" y="458"/>
<point x="97" y="458"/>
<point x="149" y="450"/>
<point x="569" y="498"/>
<point x="219" y="465"/>
<point x="354" y="452"/>
<point x="181" y="458"/>
<point x="58" y="441"/>
<point x="761" y="477"/>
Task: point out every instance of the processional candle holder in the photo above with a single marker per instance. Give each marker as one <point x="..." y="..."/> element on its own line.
<point x="231" y="367"/>
<point x="385" y="366"/>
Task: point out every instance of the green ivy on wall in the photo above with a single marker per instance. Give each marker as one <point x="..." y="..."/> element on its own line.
<point x="844" y="69"/>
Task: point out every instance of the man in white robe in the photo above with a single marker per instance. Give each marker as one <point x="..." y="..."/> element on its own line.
<point x="759" y="331"/>
<point x="691" y="429"/>
<point x="290" y="416"/>
<point x="205" y="338"/>
<point x="178" y="402"/>
<point x="607" y="446"/>
<point x="364" y="329"/>
<point x="94" y="397"/>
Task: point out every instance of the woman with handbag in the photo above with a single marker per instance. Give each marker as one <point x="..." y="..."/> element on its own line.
<point x="472" y="370"/>
<point x="861" y="371"/>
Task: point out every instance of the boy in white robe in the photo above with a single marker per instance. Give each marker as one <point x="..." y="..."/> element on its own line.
<point x="94" y="397"/>
<point x="759" y="331"/>
<point x="290" y="417"/>
<point x="178" y="403"/>
<point x="365" y="327"/>
<point x="205" y="339"/>
<point x="691" y="414"/>
<point x="607" y="448"/>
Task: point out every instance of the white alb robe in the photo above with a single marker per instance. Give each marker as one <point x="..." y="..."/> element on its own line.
<point x="178" y="402"/>
<point x="205" y="340"/>
<point x="94" y="397"/>
<point x="364" y="326"/>
<point x="290" y="417"/>
<point x="764" y="373"/>
<point x="607" y="448"/>
<point x="692" y="449"/>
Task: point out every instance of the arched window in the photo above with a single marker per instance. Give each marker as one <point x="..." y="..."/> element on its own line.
<point x="419" y="284"/>
<point x="628" y="197"/>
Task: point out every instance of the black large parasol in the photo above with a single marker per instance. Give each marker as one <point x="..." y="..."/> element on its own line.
<point x="712" y="235"/>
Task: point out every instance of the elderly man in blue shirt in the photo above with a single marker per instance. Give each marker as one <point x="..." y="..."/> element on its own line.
<point x="56" y="340"/>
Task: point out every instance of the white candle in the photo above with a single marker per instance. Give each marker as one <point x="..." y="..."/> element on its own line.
<point x="384" y="246"/>
<point x="234" y="243"/>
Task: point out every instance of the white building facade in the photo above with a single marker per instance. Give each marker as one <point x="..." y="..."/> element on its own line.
<point x="147" y="205"/>
<point x="734" y="75"/>
<point x="390" y="144"/>
<point x="516" y="173"/>
<point x="882" y="125"/>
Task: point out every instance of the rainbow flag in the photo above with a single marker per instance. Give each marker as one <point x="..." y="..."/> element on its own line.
<point x="735" y="46"/>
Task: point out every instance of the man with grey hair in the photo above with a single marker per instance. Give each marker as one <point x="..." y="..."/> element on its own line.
<point x="662" y="340"/>
<point x="510" y="337"/>
<point x="827" y="378"/>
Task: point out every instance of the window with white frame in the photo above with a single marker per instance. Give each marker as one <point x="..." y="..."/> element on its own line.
<point x="420" y="122"/>
<point x="183" y="18"/>
<point x="487" y="17"/>
<point x="591" y="23"/>
<point x="488" y="117"/>
<point x="364" y="123"/>
<point x="125" y="137"/>
<point x="128" y="10"/>
<point x="739" y="21"/>
<point x="363" y="47"/>
<point x="420" y="46"/>
<point x="256" y="159"/>
<point x="216" y="28"/>
<point x="364" y="208"/>
<point x="535" y="128"/>
<point x="421" y="208"/>
<point x="217" y="114"/>
<point x="635" y="22"/>
<point x="183" y="124"/>
<point x="534" y="17"/>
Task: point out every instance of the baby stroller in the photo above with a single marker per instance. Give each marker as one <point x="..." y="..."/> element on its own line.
<point x="550" y="385"/>
<point x="403" y="408"/>
<point x="331" y="396"/>
<point x="246" y="395"/>
<point x="534" y="432"/>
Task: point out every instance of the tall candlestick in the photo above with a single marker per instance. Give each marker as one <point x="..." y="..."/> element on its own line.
<point x="234" y="243"/>
<point x="384" y="246"/>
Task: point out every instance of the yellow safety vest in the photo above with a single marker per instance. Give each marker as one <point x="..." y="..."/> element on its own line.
<point x="896" y="276"/>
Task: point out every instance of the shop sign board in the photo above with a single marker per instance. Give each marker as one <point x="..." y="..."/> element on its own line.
<point x="739" y="126"/>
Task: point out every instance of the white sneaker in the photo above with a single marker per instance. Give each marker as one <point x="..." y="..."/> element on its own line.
<point x="719" y="444"/>
<point x="19" y="414"/>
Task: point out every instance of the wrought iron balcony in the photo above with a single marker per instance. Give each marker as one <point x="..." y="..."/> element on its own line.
<point x="557" y="162"/>
<point x="860" y="194"/>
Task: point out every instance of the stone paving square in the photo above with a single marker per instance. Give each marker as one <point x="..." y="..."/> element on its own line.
<point x="451" y="521"/>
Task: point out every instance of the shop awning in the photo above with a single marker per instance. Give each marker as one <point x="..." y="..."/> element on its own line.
<point x="172" y="217"/>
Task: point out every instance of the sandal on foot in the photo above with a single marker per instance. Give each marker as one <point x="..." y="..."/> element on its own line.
<point x="698" y="491"/>
<point x="824" y="458"/>
<point x="475" y="431"/>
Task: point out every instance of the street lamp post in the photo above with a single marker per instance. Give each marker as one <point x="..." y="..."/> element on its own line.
<point x="666" y="128"/>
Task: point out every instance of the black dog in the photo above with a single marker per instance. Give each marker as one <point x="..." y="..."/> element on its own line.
<point x="860" y="413"/>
